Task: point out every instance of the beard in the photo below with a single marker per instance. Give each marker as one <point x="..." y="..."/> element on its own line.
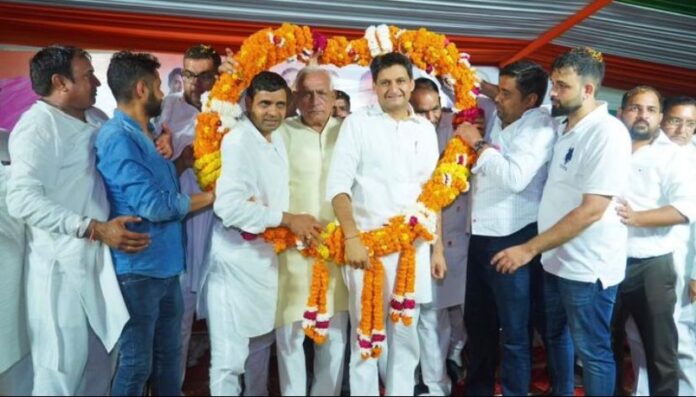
<point x="640" y="133"/>
<point x="564" y="110"/>
<point x="153" y="106"/>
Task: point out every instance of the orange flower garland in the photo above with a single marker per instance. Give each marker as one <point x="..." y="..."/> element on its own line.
<point x="427" y="50"/>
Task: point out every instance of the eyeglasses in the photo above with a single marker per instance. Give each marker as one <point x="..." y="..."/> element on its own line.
<point x="677" y="122"/>
<point x="203" y="77"/>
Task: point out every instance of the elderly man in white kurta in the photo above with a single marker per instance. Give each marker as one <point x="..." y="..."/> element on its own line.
<point x="441" y="324"/>
<point x="309" y="140"/>
<point x="74" y="304"/>
<point x="252" y="194"/>
<point x="15" y="361"/>
<point x="383" y="156"/>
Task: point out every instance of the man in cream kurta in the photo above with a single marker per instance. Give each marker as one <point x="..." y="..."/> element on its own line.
<point x="74" y="305"/>
<point x="383" y="156"/>
<point x="15" y="361"/>
<point x="309" y="140"/>
<point x="252" y="194"/>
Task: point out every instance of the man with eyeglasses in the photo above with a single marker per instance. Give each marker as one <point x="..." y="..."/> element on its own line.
<point x="659" y="197"/>
<point x="678" y="123"/>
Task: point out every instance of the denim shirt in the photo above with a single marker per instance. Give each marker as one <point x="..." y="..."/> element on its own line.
<point x="140" y="182"/>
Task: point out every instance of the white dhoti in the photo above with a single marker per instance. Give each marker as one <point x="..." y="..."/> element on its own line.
<point x="328" y="359"/>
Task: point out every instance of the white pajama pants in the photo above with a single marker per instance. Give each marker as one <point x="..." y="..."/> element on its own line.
<point x="401" y="352"/>
<point x="189" y="299"/>
<point x="17" y="380"/>
<point x="438" y="331"/>
<point x="328" y="359"/>
<point x="233" y="355"/>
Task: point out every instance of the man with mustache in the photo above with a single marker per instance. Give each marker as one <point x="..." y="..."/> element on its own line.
<point x="139" y="180"/>
<point x="509" y="177"/>
<point x="74" y="307"/>
<point x="582" y="239"/>
<point x="241" y="285"/>
<point x="309" y="140"/>
<point x="383" y="155"/>
<point x="661" y="195"/>
<point x="441" y="323"/>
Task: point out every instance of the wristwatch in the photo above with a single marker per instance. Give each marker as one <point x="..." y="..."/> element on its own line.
<point x="479" y="145"/>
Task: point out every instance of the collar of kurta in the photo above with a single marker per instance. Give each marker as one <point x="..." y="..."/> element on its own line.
<point x="251" y="129"/>
<point x="296" y="122"/>
<point x="376" y="110"/>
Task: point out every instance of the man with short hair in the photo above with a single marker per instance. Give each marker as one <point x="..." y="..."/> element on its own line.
<point x="384" y="154"/>
<point x="309" y="140"/>
<point x="678" y="123"/>
<point x="582" y="239"/>
<point x="139" y="180"/>
<point x="74" y="306"/>
<point x="441" y="323"/>
<point x="341" y="107"/>
<point x="252" y="194"/>
<point x="509" y="177"/>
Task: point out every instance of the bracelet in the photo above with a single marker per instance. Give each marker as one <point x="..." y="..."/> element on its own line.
<point x="479" y="145"/>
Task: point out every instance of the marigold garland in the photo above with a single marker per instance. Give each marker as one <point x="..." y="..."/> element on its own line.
<point x="429" y="51"/>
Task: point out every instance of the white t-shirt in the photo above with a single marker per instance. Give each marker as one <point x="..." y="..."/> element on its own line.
<point x="660" y="175"/>
<point x="592" y="158"/>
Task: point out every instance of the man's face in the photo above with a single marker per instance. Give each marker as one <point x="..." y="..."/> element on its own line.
<point x="510" y="102"/>
<point x="153" y="105"/>
<point x="426" y="103"/>
<point x="177" y="84"/>
<point x="642" y="116"/>
<point x="82" y="91"/>
<point x="341" y="109"/>
<point x="267" y="110"/>
<point x="199" y="77"/>
<point x="315" y="98"/>
<point x="566" y="92"/>
<point x="679" y="124"/>
<point x="393" y="87"/>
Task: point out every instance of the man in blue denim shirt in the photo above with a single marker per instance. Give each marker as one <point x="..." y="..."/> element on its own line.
<point x="140" y="181"/>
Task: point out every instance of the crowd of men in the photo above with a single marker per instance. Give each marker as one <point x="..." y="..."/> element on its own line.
<point x="576" y="228"/>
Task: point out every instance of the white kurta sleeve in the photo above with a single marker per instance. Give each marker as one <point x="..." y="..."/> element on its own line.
<point x="236" y="187"/>
<point x="515" y="169"/>
<point x="35" y="164"/>
<point x="679" y="187"/>
<point x="345" y="160"/>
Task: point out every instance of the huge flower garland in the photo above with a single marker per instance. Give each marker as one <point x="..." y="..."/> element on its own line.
<point x="428" y="51"/>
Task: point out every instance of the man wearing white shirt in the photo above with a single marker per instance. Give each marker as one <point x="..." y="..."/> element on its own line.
<point x="441" y="323"/>
<point x="509" y="177"/>
<point x="74" y="306"/>
<point x="383" y="156"/>
<point x="252" y="194"/>
<point x="582" y="239"/>
<point x="661" y="196"/>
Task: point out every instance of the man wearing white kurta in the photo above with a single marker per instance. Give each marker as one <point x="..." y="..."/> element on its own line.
<point x="75" y="308"/>
<point x="441" y="322"/>
<point x="309" y="140"/>
<point x="582" y="240"/>
<point x="678" y="121"/>
<point x="15" y="361"/>
<point x="383" y="156"/>
<point x="252" y="194"/>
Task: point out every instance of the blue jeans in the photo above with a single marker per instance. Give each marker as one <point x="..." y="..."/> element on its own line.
<point x="582" y="312"/>
<point x="150" y="345"/>
<point x="495" y="301"/>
